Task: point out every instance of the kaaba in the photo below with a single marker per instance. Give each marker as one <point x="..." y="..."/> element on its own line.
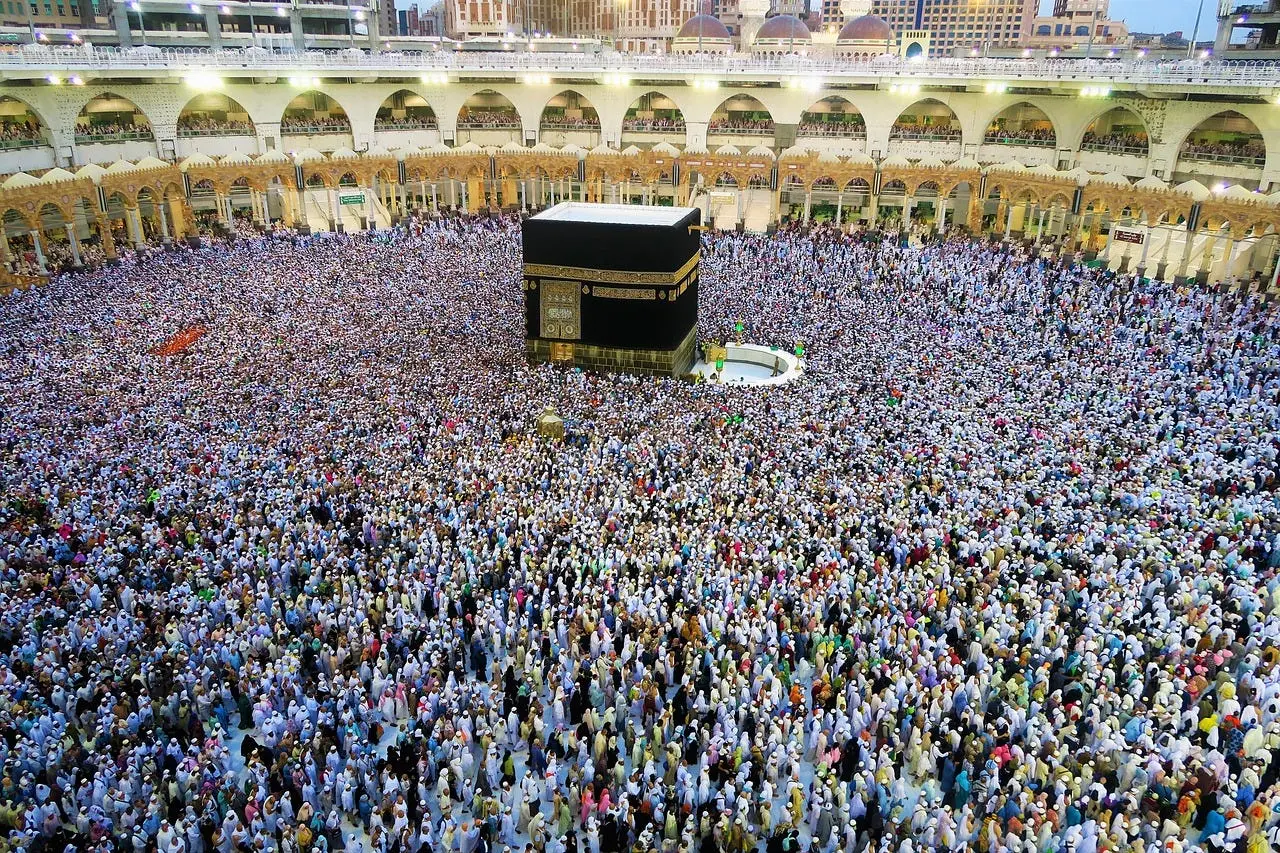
<point x="612" y="286"/>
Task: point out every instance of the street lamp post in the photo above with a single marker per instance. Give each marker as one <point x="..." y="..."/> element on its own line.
<point x="1093" y="27"/>
<point x="136" y="6"/>
<point x="253" y="26"/>
<point x="1195" y="31"/>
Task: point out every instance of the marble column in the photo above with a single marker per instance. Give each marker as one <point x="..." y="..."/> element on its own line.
<point x="75" y="244"/>
<point x="35" y="241"/>
<point x="104" y="233"/>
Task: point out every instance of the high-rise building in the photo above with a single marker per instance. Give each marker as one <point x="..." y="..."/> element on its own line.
<point x="470" y="18"/>
<point x="388" y="20"/>
<point x="962" y="25"/>
<point x="51" y="14"/>
<point x="1078" y="23"/>
<point x="634" y="25"/>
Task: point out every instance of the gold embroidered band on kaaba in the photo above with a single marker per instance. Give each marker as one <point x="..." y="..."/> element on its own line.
<point x="610" y="276"/>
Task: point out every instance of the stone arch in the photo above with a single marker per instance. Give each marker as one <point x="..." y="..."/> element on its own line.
<point x="1020" y="122"/>
<point x="1058" y="199"/>
<point x="214" y="114"/>
<point x="741" y="114"/>
<point x="926" y="119"/>
<point x="567" y="106"/>
<point x="850" y="125"/>
<point x="314" y="111"/>
<point x="643" y="115"/>
<point x="110" y="115"/>
<point x="726" y="179"/>
<point x="488" y="109"/>
<point x="405" y="109"/>
<point x="51" y="217"/>
<point x="19" y="122"/>
<point x="1227" y="134"/>
<point x="1106" y="130"/>
<point x="17" y="219"/>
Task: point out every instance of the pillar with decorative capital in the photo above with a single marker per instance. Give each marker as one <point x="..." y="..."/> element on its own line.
<point x="164" y="220"/>
<point x="1187" y="248"/>
<point x="108" y="239"/>
<point x="35" y="242"/>
<point x="1142" y="261"/>
<point x="75" y="244"/>
<point x="1236" y="242"/>
<point x="133" y="226"/>
<point x="1275" y="267"/>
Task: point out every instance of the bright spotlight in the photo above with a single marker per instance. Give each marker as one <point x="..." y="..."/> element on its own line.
<point x="203" y="81"/>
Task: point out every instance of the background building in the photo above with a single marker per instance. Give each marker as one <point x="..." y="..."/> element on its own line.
<point x="1251" y="27"/>
<point x="955" y="25"/>
<point x="1078" y="23"/>
<point x="471" y="18"/>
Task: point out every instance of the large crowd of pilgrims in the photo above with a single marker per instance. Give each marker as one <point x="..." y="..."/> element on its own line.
<point x="999" y="573"/>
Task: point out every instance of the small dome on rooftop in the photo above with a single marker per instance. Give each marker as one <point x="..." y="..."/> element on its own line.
<point x="783" y="28"/>
<point x="866" y="28"/>
<point x="703" y="26"/>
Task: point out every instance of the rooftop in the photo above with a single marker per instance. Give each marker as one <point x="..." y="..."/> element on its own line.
<point x="615" y="214"/>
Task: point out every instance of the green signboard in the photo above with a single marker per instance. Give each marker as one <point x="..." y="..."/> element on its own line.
<point x="351" y="198"/>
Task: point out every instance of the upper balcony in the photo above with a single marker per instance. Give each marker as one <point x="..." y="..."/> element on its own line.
<point x="1207" y="76"/>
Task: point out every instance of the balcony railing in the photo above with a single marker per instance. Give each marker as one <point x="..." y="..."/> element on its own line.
<point x="314" y="129"/>
<point x="1024" y="142"/>
<point x="1104" y="148"/>
<point x="834" y="130"/>
<point x="405" y="125"/>
<point x="1129" y="73"/>
<point x="15" y="144"/>
<point x="128" y="136"/>
<point x="502" y="123"/>
<point x="913" y="136"/>
<point x="741" y="131"/>
<point x="1226" y="159"/>
<point x="192" y="132"/>
<point x="642" y="126"/>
